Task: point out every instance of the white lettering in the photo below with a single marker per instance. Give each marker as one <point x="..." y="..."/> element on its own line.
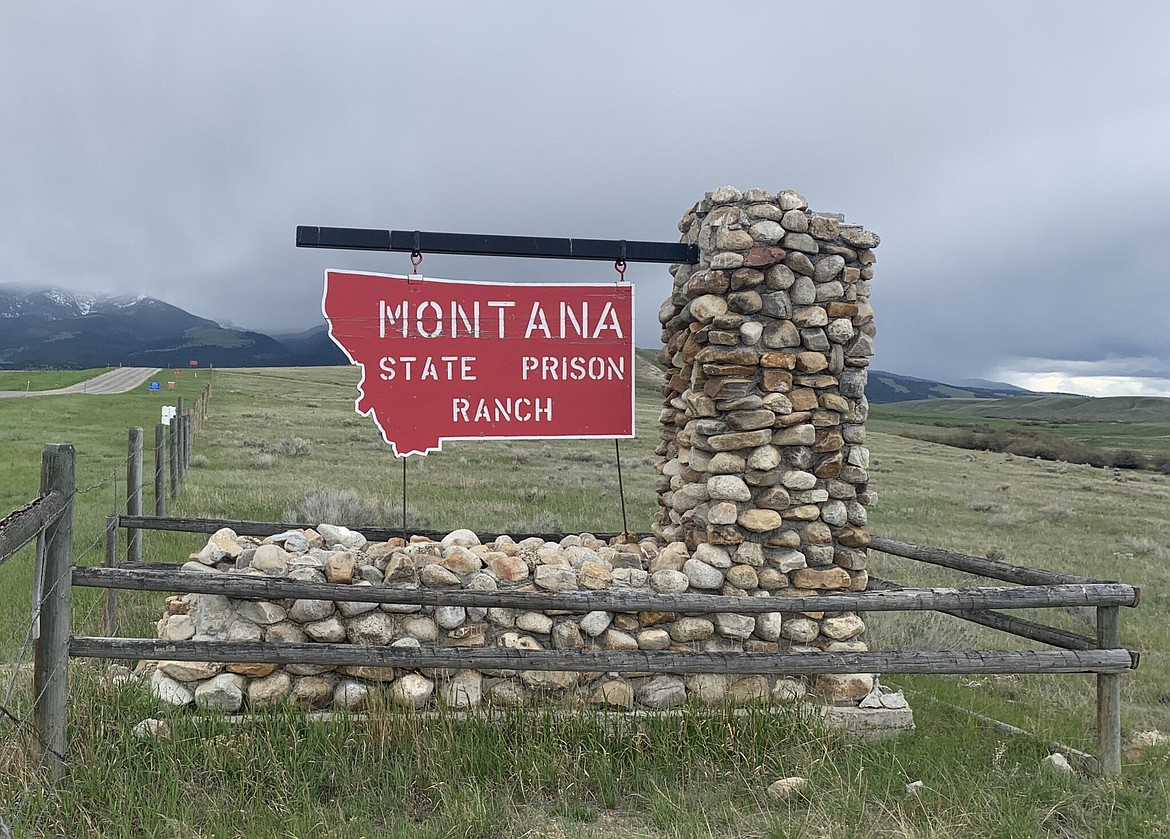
<point x="420" y="323"/>
<point x="506" y="409"/>
<point x="501" y="305"/>
<point x="448" y="368"/>
<point x="608" y="312"/>
<point x="575" y="368"/>
<point x="470" y="325"/>
<point x="580" y="326"/>
<point x="537" y="314"/>
<point x="386" y="315"/>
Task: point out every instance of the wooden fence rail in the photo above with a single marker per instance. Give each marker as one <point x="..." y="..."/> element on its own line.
<point x="277" y="588"/>
<point x="909" y="661"/>
<point x="978" y="565"/>
<point x="267" y="528"/>
<point x="1020" y="627"/>
<point x="22" y="526"/>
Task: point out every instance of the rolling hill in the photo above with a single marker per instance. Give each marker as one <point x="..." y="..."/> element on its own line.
<point x="55" y="328"/>
<point x="885" y="387"/>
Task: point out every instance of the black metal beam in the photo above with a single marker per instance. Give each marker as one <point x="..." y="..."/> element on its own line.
<point x="539" y="247"/>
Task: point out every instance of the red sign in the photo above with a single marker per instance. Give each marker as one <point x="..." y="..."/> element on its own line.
<point x="192" y="363"/>
<point x="448" y="360"/>
<point x="170" y="385"/>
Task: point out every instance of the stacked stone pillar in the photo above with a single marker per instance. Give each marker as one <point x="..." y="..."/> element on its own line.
<point x="766" y="344"/>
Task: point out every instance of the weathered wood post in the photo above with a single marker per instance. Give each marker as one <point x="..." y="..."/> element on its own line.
<point x="51" y="648"/>
<point x="185" y="449"/>
<point x="160" y="470"/>
<point x="1109" y="694"/>
<point x="181" y="437"/>
<point x="173" y="445"/>
<point x="134" y="492"/>
<point x="110" y="560"/>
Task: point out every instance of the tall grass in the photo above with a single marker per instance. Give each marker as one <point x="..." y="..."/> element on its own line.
<point x="579" y="773"/>
<point x="526" y="773"/>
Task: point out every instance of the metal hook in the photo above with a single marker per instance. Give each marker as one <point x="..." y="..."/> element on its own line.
<point x="416" y="258"/>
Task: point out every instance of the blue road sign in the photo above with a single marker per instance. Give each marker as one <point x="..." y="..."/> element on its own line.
<point x="155" y="386"/>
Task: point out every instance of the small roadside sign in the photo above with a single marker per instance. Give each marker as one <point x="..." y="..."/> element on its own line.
<point x="155" y="386"/>
<point x="168" y="414"/>
<point x="193" y="363"/>
<point x="170" y="385"/>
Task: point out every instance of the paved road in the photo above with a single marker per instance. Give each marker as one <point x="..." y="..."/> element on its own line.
<point x="115" y="381"/>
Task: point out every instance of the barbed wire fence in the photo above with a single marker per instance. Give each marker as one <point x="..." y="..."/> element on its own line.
<point x="26" y="789"/>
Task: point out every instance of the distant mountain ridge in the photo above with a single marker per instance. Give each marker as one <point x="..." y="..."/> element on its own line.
<point x="54" y="327"/>
<point x="884" y="387"/>
<point x="56" y="304"/>
<point x="57" y="328"/>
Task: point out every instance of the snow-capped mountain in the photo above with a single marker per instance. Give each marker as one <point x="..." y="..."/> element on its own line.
<point x="57" y="303"/>
<point x="56" y="327"/>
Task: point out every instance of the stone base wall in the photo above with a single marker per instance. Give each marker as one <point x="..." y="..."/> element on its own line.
<point x="763" y="489"/>
<point x="459" y="561"/>
<point x="766" y="342"/>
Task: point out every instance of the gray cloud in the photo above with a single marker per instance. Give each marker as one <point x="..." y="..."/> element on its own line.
<point x="1012" y="156"/>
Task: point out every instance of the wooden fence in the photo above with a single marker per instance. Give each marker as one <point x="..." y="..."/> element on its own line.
<point x="51" y="513"/>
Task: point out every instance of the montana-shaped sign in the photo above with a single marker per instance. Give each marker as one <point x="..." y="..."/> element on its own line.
<point x="454" y="360"/>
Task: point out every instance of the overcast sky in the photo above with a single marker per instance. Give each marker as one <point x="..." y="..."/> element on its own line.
<point x="1014" y="157"/>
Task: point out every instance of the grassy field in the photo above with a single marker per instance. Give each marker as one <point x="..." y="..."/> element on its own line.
<point x="287" y="440"/>
<point x="45" y="379"/>
<point x="1140" y="424"/>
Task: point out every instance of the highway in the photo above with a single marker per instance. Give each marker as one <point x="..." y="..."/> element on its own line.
<point x="115" y="381"/>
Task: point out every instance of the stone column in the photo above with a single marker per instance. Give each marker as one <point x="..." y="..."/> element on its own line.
<point x="766" y="341"/>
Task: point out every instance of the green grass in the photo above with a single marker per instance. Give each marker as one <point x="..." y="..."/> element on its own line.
<point x="532" y="774"/>
<point x="46" y="379"/>
<point x="1121" y="422"/>
<point x="97" y="426"/>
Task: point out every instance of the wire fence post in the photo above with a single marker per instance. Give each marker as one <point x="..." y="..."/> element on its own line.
<point x="181" y="437"/>
<point x="617" y="450"/>
<point x="188" y="428"/>
<point x="110" y="560"/>
<point x="1109" y="694"/>
<point x="173" y="450"/>
<point x="134" y="493"/>
<point x="51" y="649"/>
<point x="160" y="470"/>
